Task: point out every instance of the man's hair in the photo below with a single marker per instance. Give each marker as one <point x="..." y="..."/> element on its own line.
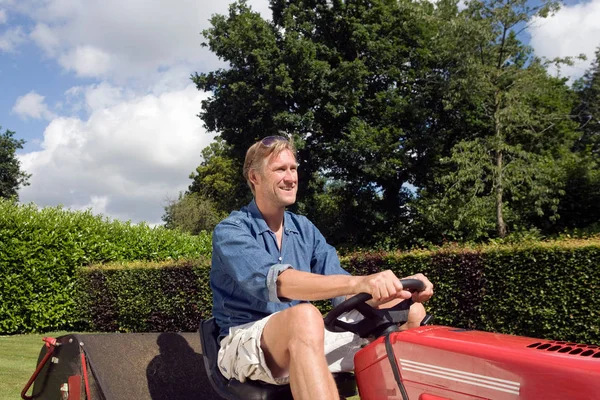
<point x="261" y="150"/>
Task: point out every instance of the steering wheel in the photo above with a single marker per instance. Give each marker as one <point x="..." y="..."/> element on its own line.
<point x="377" y="321"/>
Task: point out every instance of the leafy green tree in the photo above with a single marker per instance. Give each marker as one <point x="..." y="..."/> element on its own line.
<point x="587" y="111"/>
<point x="192" y="213"/>
<point x="384" y="93"/>
<point x="11" y="175"/>
<point x="580" y="207"/>
<point x="355" y="83"/>
<point x="219" y="178"/>
<point x="517" y="120"/>
<point x="212" y="194"/>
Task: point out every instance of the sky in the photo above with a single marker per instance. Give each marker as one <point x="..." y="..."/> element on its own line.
<point x="100" y="90"/>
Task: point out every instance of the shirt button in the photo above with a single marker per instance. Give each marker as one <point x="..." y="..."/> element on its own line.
<point x="280" y="258"/>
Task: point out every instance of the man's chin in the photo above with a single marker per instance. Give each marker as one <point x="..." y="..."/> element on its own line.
<point x="290" y="202"/>
<point x="287" y="200"/>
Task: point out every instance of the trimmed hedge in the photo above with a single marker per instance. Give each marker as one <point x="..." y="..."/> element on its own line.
<point x="543" y="289"/>
<point x="144" y="297"/>
<point x="40" y="250"/>
<point x="546" y="290"/>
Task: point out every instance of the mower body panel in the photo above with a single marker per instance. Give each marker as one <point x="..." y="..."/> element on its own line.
<point x="438" y="362"/>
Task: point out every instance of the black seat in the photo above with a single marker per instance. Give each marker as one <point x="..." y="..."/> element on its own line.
<point x="232" y="389"/>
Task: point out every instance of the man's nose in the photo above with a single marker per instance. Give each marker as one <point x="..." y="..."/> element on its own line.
<point x="290" y="175"/>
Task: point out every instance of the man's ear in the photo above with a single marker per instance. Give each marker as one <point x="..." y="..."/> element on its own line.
<point x="253" y="176"/>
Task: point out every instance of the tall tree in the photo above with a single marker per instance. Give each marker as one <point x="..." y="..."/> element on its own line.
<point x="580" y="207"/>
<point x="587" y="111"/>
<point x="379" y="94"/>
<point x="517" y="118"/>
<point x="354" y="82"/>
<point x="218" y="178"/>
<point x="216" y="189"/>
<point x="192" y="213"/>
<point x="11" y="175"/>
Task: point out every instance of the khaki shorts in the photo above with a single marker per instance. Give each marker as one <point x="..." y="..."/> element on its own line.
<point x="241" y="356"/>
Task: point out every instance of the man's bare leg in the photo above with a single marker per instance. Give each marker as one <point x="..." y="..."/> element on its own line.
<point x="292" y="341"/>
<point x="416" y="313"/>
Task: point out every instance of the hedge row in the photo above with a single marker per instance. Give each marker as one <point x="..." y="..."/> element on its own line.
<point x="547" y="290"/>
<point x="144" y="297"/>
<point x="41" y="249"/>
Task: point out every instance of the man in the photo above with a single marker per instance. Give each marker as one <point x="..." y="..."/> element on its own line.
<point x="267" y="263"/>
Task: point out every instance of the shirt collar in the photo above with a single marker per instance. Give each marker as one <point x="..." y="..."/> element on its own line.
<point x="288" y="224"/>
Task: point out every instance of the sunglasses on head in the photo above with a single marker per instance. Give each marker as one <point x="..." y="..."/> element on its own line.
<point x="271" y="140"/>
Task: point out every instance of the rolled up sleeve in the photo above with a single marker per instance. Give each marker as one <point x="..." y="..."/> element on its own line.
<point x="272" y="276"/>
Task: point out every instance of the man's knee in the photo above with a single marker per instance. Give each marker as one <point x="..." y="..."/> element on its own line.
<point x="307" y="330"/>
<point x="306" y="319"/>
<point x="417" y="311"/>
<point x="303" y="321"/>
<point x="297" y="330"/>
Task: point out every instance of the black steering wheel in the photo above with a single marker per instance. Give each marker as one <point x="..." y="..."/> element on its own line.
<point x="377" y="322"/>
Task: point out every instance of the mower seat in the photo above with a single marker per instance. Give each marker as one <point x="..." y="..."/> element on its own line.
<point x="232" y="389"/>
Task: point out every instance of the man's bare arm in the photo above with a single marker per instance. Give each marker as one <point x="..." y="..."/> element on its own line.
<point x="299" y="285"/>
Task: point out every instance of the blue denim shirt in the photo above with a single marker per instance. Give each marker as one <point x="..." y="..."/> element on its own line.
<point x="246" y="263"/>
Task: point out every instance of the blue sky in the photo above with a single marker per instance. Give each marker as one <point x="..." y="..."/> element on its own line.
<point x="100" y="91"/>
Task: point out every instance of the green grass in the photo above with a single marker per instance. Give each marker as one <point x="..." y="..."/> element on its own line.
<point x="18" y="359"/>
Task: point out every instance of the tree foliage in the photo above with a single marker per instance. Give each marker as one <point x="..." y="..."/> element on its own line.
<point x="587" y="112"/>
<point x="411" y="119"/>
<point x="353" y="82"/>
<point x="579" y="207"/>
<point x="11" y="175"/>
<point x="192" y="213"/>
<point x="218" y="179"/>
<point x="215" y="191"/>
<point x="507" y="168"/>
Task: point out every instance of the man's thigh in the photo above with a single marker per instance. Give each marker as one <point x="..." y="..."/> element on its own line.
<point x="242" y="357"/>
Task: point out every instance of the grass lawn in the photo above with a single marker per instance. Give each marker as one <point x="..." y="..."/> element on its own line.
<point x="18" y="359"/>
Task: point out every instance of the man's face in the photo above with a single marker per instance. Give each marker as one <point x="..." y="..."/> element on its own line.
<point x="277" y="184"/>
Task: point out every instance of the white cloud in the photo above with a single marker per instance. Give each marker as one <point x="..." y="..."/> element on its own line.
<point x="3" y="17"/>
<point x="118" y="40"/>
<point x="46" y="39"/>
<point x="104" y="95"/>
<point x="32" y="105"/>
<point x="11" y="38"/>
<point x="126" y="142"/>
<point x="575" y="29"/>
<point x="130" y="154"/>
<point x="97" y="204"/>
<point x="86" y="61"/>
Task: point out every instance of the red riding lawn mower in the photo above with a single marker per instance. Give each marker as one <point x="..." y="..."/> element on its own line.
<point x="425" y="363"/>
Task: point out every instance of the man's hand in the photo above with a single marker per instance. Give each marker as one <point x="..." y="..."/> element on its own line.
<point x="382" y="286"/>
<point x="422" y="297"/>
<point x="385" y="286"/>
